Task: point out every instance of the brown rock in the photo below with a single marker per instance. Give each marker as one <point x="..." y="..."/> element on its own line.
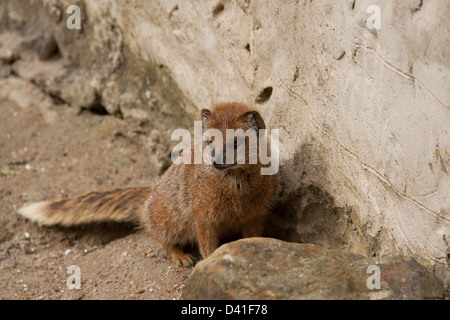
<point x="266" y="268"/>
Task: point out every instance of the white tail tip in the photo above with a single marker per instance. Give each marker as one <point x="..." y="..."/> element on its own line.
<point x="36" y="212"/>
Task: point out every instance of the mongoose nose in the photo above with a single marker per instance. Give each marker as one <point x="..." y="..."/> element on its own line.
<point x="220" y="166"/>
<point x="216" y="163"/>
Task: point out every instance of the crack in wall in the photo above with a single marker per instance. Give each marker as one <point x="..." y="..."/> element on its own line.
<point x="404" y="74"/>
<point x="366" y="166"/>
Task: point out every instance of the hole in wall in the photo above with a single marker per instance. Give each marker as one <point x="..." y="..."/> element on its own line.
<point x="96" y="107"/>
<point x="265" y="95"/>
<point x="174" y="9"/>
<point x="49" y="50"/>
<point x="218" y="9"/>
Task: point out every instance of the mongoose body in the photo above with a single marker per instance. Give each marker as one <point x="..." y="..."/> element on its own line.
<point x="191" y="203"/>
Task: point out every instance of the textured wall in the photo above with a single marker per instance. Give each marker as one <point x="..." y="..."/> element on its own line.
<point x="364" y="115"/>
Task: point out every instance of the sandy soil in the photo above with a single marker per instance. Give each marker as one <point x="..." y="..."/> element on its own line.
<point x="56" y="152"/>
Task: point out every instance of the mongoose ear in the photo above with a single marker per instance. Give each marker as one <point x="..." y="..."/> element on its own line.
<point x="207" y="116"/>
<point x="252" y="119"/>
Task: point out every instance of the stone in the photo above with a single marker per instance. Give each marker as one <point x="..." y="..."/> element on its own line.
<point x="267" y="268"/>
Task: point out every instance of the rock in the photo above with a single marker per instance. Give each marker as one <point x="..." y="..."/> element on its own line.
<point x="266" y="268"/>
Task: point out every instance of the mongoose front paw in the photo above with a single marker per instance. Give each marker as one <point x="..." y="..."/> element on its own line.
<point x="185" y="261"/>
<point x="180" y="257"/>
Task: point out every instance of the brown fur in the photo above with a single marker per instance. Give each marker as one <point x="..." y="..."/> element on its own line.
<point x="191" y="204"/>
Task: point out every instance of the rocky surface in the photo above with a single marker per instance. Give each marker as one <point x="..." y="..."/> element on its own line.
<point x="264" y="268"/>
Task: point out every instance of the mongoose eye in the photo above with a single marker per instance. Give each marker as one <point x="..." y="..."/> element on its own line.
<point x="208" y="141"/>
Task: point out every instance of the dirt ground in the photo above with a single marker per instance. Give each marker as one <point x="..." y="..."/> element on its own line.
<point x="56" y="152"/>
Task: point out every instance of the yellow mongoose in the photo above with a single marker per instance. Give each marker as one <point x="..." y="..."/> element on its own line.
<point x="191" y="203"/>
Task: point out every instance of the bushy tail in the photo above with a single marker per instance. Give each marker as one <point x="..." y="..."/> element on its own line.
<point x="120" y="205"/>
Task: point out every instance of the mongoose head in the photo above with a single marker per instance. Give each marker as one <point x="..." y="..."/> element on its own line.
<point x="230" y="135"/>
